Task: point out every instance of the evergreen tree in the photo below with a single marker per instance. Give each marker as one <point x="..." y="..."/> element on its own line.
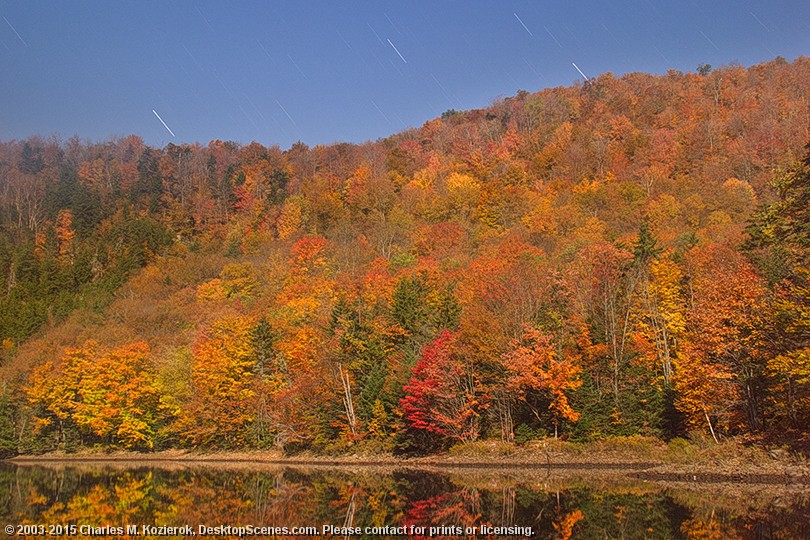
<point x="8" y="438"/>
<point x="646" y="246"/>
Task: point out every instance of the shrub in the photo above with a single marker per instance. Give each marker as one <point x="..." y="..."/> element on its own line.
<point x="525" y="433"/>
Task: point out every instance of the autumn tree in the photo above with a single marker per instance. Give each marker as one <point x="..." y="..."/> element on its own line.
<point x="219" y="414"/>
<point x="666" y="310"/>
<point x="534" y="367"/>
<point x="779" y="240"/>
<point x="442" y="398"/>
<point x="722" y="344"/>
<point x="110" y="395"/>
<point x="65" y="233"/>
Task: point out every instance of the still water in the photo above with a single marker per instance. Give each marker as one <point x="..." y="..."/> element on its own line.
<point x="219" y="501"/>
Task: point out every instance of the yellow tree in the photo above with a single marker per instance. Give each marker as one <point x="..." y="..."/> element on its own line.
<point x="705" y="390"/>
<point x="662" y="313"/>
<point x="112" y="395"/>
<point x="220" y="411"/>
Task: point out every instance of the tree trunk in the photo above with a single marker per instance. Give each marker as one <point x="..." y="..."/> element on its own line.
<point x="348" y="404"/>
<point x="711" y="429"/>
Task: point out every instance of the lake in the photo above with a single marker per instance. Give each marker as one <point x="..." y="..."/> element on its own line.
<point x="266" y="501"/>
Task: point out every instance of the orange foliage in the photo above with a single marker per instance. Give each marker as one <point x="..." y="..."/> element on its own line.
<point x="534" y="364"/>
<point x="110" y="394"/>
<point x="219" y="413"/>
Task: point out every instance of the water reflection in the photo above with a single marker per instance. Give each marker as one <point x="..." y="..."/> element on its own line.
<point x="362" y="501"/>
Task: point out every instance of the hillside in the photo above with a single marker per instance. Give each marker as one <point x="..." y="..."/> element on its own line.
<point x="624" y="257"/>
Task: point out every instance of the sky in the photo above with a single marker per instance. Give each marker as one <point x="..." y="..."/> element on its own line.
<point x="342" y="71"/>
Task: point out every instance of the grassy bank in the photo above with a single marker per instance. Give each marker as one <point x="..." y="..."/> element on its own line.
<point x="678" y="457"/>
<point x="730" y="458"/>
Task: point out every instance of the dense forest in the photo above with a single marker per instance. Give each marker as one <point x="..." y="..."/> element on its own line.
<point x="624" y="256"/>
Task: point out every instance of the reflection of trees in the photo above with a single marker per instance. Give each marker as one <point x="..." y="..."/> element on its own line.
<point x="704" y="529"/>
<point x="196" y="497"/>
<point x="565" y="525"/>
<point x="286" y="497"/>
<point x="125" y="499"/>
<point x="460" y="507"/>
<point x="508" y="508"/>
<point x="275" y="498"/>
<point x="357" y="500"/>
<point x="619" y="515"/>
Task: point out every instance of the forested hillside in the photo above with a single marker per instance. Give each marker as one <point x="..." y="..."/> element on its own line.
<point x="625" y="256"/>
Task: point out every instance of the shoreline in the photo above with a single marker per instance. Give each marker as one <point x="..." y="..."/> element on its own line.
<point x="717" y="465"/>
<point x="361" y="460"/>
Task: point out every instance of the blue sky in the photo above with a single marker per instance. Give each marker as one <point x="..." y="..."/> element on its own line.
<point x="324" y="72"/>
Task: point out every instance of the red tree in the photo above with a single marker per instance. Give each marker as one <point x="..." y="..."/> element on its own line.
<point x="441" y="397"/>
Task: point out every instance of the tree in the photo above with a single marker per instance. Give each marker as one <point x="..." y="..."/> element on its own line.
<point x="660" y="310"/>
<point x="604" y="290"/>
<point x="8" y="435"/>
<point x="779" y="241"/>
<point x="111" y="395"/>
<point x="421" y="309"/>
<point x="534" y="366"/>
<point x="623" y="390"/>
<point x="359" y="360"/>
<point x="31" y="161"/>
<point x="271" y="372"/>
<point x="65" y="233"/>
<point x="705" y="391"/>
<point x="441" y="398"/>
<point x="219" y="414"/>
<point x="722" y="341"/>
<point x="646" y="247"/>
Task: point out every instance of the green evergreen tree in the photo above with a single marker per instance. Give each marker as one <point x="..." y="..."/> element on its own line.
<point x="8" y="438"/>
<point x="646" y="246"/>
<point x="422" y="319"/>
<point x="31" y="161"/>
